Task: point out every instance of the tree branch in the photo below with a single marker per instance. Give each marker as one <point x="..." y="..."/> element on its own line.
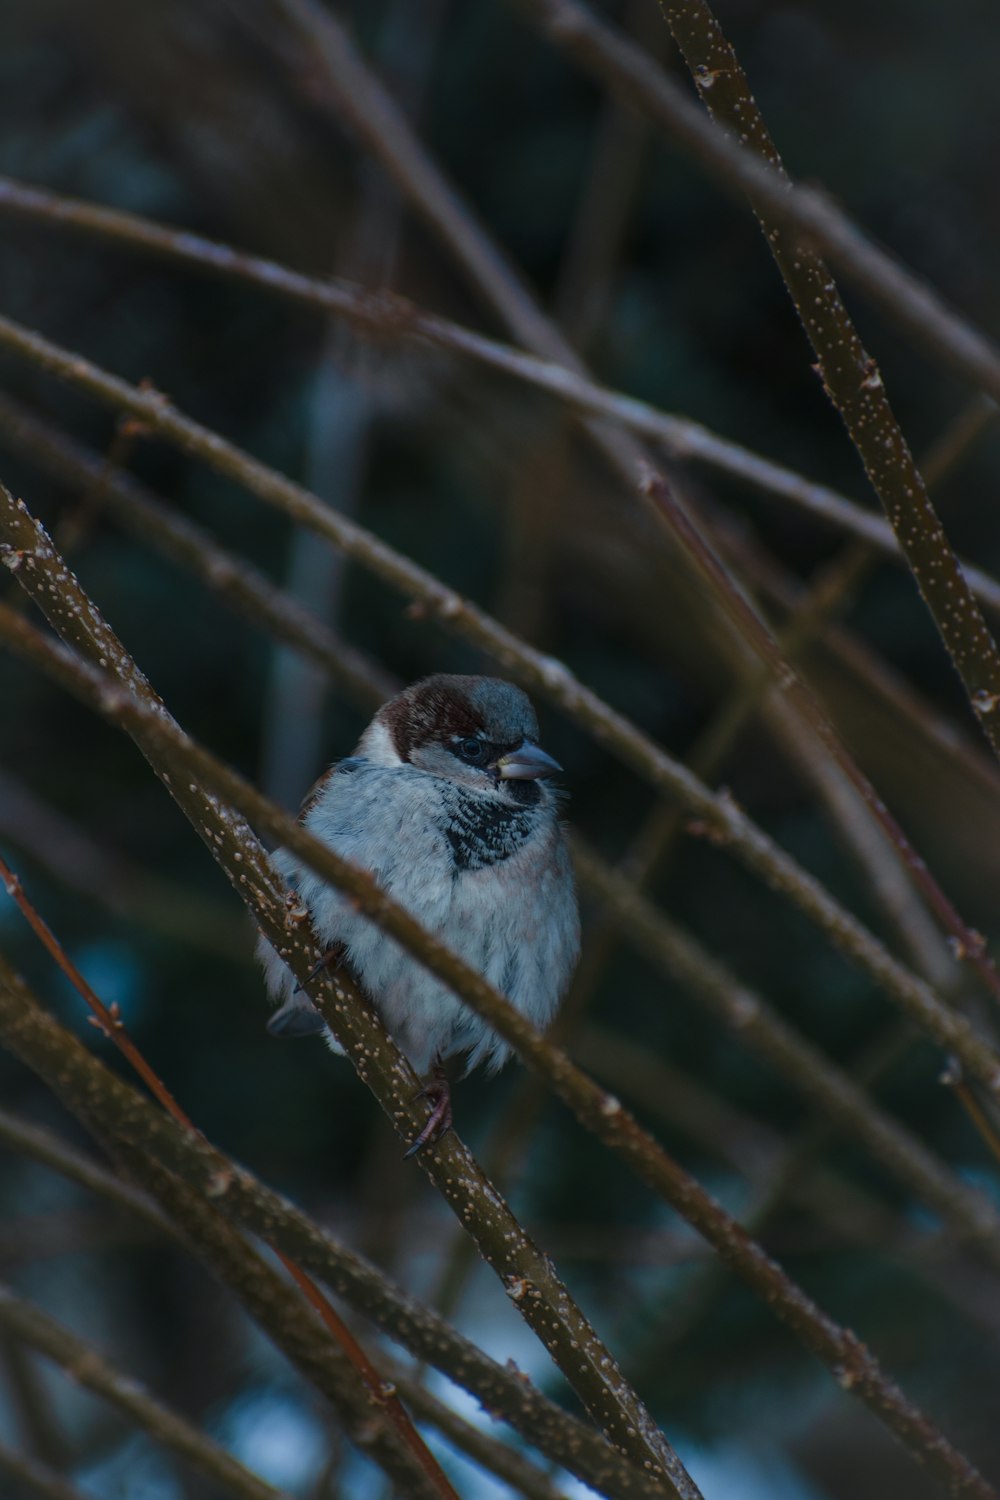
<point x="753" y="630"/>
<point x="387" y="318"/>
<point x="806" y="214"/>
<point x="757" y="1026"/>
<point x="94" y="1372"/>
<point x="80" y="1081"/>
<point x="850" y="375"/>
<point x="108" y="1104"/>
<point x="36" y="1477"/>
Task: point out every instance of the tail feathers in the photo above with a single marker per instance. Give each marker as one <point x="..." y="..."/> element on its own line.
<point x="297" y="1017"/>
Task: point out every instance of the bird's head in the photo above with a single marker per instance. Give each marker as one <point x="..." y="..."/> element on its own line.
<point x="479" y="732"/>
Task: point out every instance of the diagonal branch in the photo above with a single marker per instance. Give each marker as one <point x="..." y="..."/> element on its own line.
<point x="759" y="1028"/>
<point x="43" y="1046"/>
<point x="499" y="1389"/>
<point x="850" y="375"/>
<point x="98" y="1374"/>
<point x="243" y="587"/>
<point x="806" y="214"/>
<point x="272" y="1303"/>
<point x="753" y="630"/>
<point x="387" y="318"/>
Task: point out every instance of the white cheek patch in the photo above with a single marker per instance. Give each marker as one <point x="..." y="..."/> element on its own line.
<point x="376" y="745"/>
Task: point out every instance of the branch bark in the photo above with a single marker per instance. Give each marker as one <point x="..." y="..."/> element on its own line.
<point x="850" y="376"/>
<point x="389" y="319"/>
<point x="88" y="1368"/>
<point x="806" y="214"/>
<point x="117" y="1111"/>
<point x="99" y="1098"/>
<point x="501" y="1391"/>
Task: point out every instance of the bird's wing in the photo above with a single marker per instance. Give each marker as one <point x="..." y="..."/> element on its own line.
<point x="341" y="769"/>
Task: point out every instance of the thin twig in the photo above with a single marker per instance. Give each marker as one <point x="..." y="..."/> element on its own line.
<point x="388" y="318"/>
<point x="980" y="1119"/>
<point x="850" y="375"/>
<point x="752" y="629"/>
<point x="806" y="214"/>
<point x="108" y="1018"/>
<point x="759" y="1027"/>
<point x="96" y="1373"/>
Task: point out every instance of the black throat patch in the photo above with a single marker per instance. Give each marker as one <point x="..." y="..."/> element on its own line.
<point x="483" y="831"/>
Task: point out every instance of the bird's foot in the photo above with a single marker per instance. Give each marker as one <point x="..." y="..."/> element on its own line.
<point x="327" y="960"/>
<point x="437" y="1092"/>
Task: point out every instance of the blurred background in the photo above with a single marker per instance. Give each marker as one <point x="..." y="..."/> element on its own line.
<point x="218" y="117"/>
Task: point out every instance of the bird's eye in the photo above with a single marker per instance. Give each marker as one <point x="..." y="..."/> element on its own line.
<point x="471" y="750"/>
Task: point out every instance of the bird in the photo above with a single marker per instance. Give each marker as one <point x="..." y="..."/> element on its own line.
<point x="447" y="801"/>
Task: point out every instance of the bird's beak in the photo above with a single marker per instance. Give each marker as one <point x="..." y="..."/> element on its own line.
<point x="526" y="763"/>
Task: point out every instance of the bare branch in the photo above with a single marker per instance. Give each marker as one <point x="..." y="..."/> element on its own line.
<point x="96" y="1373"/>
<point x="387" y="318"/>
<point x="45" y="1146"/>
<point x="511" y="1467"/>
<point x="850" y="375"/>
<point x="240" y="585"/>
<point x="807" y="711"/>
<point x="64" y="1063"/>
<point x="36" y="1477"/>
<point x="806" y="214"/>
<point x="758" y="1026"/>
<point x="110" y="1104"/>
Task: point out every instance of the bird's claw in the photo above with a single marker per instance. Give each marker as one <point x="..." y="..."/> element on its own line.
<point x="326" y="960"/>
<point x="438" y="1094"/>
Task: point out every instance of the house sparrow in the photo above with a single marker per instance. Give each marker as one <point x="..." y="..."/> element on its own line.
<point x="446" y="801"/>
